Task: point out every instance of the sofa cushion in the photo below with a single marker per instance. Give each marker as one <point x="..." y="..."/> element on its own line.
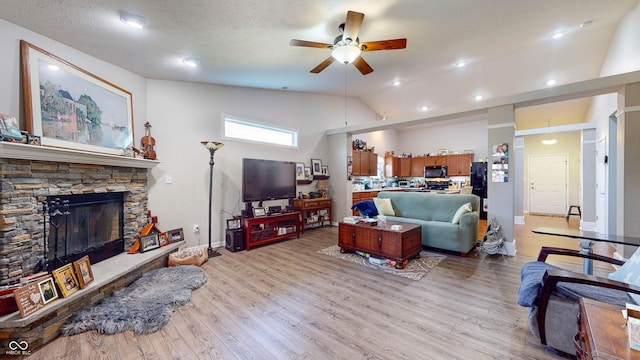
<point x="384" y="206"/>
<point x="461" y="211"/>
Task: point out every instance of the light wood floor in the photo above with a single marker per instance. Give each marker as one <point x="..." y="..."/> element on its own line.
<point x="287" y="301"/>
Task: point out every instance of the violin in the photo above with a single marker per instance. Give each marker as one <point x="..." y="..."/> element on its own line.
<point x="147" y="143"/>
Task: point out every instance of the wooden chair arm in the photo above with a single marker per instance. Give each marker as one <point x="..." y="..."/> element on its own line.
<point x="551" y="279"/>
<point x="546" y="251"/>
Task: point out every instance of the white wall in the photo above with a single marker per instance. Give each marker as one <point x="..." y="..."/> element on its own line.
<point x="11" y="91"/>
<point x="183" y="114"/>
<point x="420" y="140"/>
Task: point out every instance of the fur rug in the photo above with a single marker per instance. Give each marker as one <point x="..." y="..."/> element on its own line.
<point x="145" y="306"/>
<point x="415" y="270"/>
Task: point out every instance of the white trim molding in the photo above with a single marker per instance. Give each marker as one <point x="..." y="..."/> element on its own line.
<point x="503" y="125"/>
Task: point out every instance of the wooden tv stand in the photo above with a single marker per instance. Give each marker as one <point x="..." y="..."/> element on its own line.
<point x="268" y="229"/>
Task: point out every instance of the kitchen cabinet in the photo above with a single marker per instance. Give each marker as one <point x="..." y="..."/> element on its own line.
<point x="405" y="167"/>
<point x="417" y="166"/>
<point x="459" y="164"/>
<point x="391" y="166"/>
<point x="438" y="160"/>
<point x="364" y="163"/>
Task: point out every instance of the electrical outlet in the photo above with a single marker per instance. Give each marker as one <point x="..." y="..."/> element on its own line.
<point x="196" y="228"/>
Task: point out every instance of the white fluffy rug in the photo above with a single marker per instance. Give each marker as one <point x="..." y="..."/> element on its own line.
<point x="415" y="270"/>
<point x="145" y="306"/>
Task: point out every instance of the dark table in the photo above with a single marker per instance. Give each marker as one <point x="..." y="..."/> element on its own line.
<point x="587" y="239"/>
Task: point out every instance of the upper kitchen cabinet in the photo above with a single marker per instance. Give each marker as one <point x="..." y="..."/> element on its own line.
<point x="364" y="163"/>
<point x="459" y="164"/>
<point x="438" y="160"/>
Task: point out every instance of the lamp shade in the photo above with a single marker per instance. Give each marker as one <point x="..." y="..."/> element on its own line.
<point x="346" y="54"/>
<point x="212" y="145"/>
<point x="322" y="184"/>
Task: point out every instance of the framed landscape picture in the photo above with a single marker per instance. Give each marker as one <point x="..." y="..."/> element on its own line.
<point x="175" y="235"/>
<point x="71" y="108"/>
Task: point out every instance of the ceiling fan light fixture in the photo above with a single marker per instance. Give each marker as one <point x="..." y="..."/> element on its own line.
<point x="346" y="54"/>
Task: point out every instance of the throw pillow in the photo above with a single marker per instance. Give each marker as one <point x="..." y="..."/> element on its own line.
<point x="384" y="206"/>
<point x="461" y="211"/>
<point x="629" y="273"/>
<point x="366" y="208"/>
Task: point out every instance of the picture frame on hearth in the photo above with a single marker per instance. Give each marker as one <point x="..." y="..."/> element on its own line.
<point x="66" y="280"/>
<point x="83" y="271"/>
<point x="149" y="242"/>
<point x="68" y="107"/>
<point x="163" y="239"/>
<point x="175" y="235"/>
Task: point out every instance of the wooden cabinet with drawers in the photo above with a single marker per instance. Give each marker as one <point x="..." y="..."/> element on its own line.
<point x="314" y="211"/>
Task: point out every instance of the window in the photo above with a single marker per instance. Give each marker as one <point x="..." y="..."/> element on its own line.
<point x="243" y="130"/>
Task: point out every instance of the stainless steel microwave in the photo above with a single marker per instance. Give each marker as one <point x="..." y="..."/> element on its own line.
<point x="435" y="171"/>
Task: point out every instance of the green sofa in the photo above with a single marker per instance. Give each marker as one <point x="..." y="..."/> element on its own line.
<point x="435" y="213"/>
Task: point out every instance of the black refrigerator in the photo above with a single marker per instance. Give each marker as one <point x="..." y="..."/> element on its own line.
<point x="479" y="185"/>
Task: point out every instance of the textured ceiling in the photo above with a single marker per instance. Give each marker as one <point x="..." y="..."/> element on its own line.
<point x="245" y="43"/>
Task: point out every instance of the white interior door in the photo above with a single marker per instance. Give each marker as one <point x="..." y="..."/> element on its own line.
<point x="548" y="176"/>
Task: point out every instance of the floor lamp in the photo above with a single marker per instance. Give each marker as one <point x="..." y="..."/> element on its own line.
<point x="212" y="146"/>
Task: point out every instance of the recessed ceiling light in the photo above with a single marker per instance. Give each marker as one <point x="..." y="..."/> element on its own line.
<point x="53" y="67"/>
<point x="135" y="21"/>
<point x="478" y="97"/>
<point x="461" y="64"/>
<point x="551" y="82"/>
<point x="396" y="83"/>
<point x="424" y="108"/>
<point x="549" y="141"/>
<point x="559" y="34"/>
<point x="193" y="62"/>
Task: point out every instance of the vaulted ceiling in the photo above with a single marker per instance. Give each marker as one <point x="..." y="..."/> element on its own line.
<point x="508" y="46"/>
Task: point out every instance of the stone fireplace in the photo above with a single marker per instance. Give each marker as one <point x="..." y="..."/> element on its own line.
<point x="29" y="182"/>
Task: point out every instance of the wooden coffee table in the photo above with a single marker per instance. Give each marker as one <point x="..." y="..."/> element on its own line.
<point x="399" y="245"/>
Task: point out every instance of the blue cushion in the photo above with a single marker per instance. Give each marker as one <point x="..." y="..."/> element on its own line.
<point x="366" y="208"/>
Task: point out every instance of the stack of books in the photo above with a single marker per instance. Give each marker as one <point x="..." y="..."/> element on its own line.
<point x="351" y="219"/>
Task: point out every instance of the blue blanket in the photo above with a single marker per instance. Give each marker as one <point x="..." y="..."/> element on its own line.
<point x="366" y="208"/>
<point x="531" y="284"/>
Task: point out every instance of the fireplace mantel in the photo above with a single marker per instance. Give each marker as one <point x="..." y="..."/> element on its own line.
<point x="43" y="153"/>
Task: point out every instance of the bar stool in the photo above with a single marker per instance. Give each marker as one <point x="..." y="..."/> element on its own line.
<point x="571" y="207"/>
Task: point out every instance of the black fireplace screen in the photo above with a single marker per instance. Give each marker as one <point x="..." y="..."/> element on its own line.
<point x="85" y="224"/>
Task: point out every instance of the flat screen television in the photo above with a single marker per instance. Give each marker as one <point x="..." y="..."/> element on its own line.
<point x="268" y="180"/>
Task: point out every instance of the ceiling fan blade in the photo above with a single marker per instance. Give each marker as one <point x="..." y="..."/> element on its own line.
<point x="384" y="45"/>
<point x="295" y="42"/>
<point x="352" y="25"/>
<point x="362" y="65"/>
<point x="323" y="65"/>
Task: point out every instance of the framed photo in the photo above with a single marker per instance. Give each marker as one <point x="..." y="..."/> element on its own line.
<point x="82" y="267"/>
<point x="66" y="279"/>
<point x="443" y="151"/>
<point x="316" y="167"/>
<point x="175" y="235"/>
<point x="325" y="170"/>
<point x="307" y="174"/>
<point x="349" y="168"/>
<point x="9" y="128"/>
<point x="259" y="211"/>
<point x="67" y="106"/>
<point x="149" y="242"/>
<point x="300" y="171"/>
<point x="163" y="239"/>
<point x="233" y="224"/>
<point x="32" y="297"/>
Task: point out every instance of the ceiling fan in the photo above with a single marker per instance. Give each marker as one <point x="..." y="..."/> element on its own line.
<point x="347" y="47"/>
